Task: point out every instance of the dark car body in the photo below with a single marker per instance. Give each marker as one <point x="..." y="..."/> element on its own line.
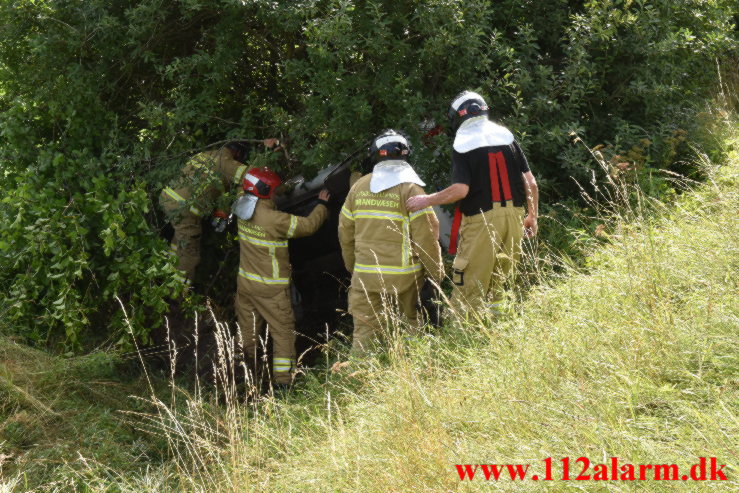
<point x="320" y="280"/>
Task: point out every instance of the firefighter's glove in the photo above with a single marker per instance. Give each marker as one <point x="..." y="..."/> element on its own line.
<point x="220" y="221"/>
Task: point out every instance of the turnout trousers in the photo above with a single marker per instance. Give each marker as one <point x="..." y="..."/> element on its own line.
<point x="186" y="240"/>
<point x="489" y="247"/>
<point x="373" y="311"/>
<point x="276" y="313"/>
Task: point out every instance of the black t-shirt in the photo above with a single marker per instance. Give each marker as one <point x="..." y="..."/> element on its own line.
<point x="503" y="166"/>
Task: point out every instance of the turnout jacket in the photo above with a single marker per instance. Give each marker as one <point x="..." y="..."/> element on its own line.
<point x="384" y="246"/>
<point x="264" y="265"/>
<point x="203" y="179"/>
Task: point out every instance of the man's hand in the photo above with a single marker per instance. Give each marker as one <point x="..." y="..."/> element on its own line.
<point x="324" y="195"/>
<point x="530" y="226"/>
<point x="451" y="194"/>
<point x="417" y="202"/>
<point x="270" y="143"/>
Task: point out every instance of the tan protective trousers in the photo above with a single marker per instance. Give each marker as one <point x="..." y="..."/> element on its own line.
<point x="373" y="311"/>
<point x="186" y="240"/>
<point x="252" y="312"/>
<point x="489" y="247"/>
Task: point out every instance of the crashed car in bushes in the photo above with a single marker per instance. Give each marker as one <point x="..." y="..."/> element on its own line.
<point x="319" y="278"/>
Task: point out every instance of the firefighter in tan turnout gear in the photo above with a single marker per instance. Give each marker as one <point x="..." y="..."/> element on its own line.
<point x="388" y="250"/>
<point x="263" y="285"/>
<point x="194" y="193"/>
<point x="492" y="182"/>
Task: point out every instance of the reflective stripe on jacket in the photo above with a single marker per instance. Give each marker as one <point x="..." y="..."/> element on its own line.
<point x="203" y="179"/>
<point x="264" y="266"/>
<point x="169" y="193"/>
<point x="383" y="245"/>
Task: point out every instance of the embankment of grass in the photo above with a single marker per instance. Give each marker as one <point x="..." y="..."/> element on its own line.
<point x="635" y="358"/>
<point x="59" y="416"/>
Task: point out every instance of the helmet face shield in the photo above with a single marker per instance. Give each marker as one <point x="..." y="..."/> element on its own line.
<point x="389" y="145"/>
<point x="466" y="105"/>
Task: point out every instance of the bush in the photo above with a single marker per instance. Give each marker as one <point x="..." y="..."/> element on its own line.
<point x="68" y="251"/>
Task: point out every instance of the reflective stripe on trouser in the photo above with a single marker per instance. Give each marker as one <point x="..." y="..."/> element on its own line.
<point x="277" y="312"/>
<point x="282" y="366"/>
<point x="186" y="240"/>
<point x="489" y="247"/>
<point x="372" y="311"/>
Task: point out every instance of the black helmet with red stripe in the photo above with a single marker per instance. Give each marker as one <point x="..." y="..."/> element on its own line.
<point x="466" y="105"/>
<point x="389" y="145"/>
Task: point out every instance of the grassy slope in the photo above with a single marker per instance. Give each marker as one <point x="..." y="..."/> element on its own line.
<point x="53" y="411"/>
<point x="635" y="359"/>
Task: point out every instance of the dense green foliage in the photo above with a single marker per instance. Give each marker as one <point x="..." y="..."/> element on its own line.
<point x="101" y="102"/>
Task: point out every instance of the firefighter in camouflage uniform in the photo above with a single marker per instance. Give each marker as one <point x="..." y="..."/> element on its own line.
<point x="205" y="178"/>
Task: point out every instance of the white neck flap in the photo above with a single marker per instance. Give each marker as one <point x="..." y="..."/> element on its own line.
<point x="387" y="174"/>
<point x="480" y="132"/>
<point x="244" y="206"/>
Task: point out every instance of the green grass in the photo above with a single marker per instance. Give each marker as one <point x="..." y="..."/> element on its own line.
<point x="55" y="411"/>
<point x="635" y="357"/>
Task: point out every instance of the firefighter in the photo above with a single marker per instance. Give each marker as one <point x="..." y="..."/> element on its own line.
<point x="202" y="181"/>
<point x="387" y="249"/>
<point x="263" y="283"/>
<point x="492" y="182"/>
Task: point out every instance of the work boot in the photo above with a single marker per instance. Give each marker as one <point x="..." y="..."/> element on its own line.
<point x="281" y="390"/>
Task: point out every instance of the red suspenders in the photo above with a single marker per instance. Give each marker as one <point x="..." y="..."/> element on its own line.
<point x="498" y="176"/>
<point x="497" y="166"/>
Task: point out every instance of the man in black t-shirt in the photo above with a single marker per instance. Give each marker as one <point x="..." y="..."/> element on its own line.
<point x="492" y="181"/>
